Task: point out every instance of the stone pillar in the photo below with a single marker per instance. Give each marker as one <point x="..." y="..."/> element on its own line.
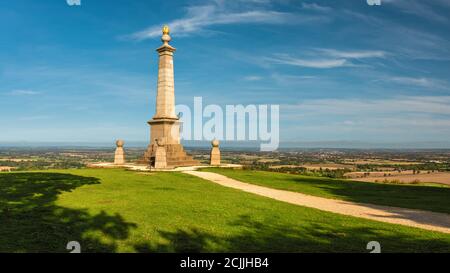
<point x="165" y="124"/>
<point x="215" y="153"/>
<point x="119" y="156"/>
<point x="165" y="98"/>
<point x="160" y="154"/>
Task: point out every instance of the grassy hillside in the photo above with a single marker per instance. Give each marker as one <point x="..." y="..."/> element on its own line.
<point x="407" y="196"/>
<point x="123" y="211"/>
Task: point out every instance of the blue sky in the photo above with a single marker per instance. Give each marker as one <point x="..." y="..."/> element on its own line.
<point x="340" y="70"/>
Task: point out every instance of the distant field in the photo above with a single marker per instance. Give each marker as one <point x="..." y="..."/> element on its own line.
<point x="268" y="160"/>
<point x="19" y="159"/>
<point x="441" y="177"/>
<point x="329" y="166"/>
<point x="112" y="210"/>
<point x="380" y="162"/>
<point x="352" y="175"/>
<point x="324" y="166"/>
<point x="407" y="196"/>
<point x="6" y="168"/>
<point x="377" y="174"/>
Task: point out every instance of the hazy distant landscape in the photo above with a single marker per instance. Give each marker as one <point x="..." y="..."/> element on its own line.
<point x="374" y="165"/>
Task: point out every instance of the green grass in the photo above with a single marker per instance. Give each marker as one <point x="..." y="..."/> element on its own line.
<point x="123" y="211"/>
<point x="407" y="196"/>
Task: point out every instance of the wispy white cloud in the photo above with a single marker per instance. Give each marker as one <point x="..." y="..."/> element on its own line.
<point x="22" y="92"/>
<point x="418" y="8"/>
<point x="291" y="79"/>
<point x="397" y="118"/>
<point x="99" y="81"/>
<point x="297" y="77"/>
<point x="421" y="81"/>
<point x="439" y="105"/>
<point x="253" y="78"/>
<point x="405" y="41"/>
<point x="199" y="18"/>
<point x="415" y="118"/>
<point x="412" y="81"/>
<point x="310" y="63"/>
<point x="325" y="58"/>
<point x="353" y="54"/>
<point x="316" y="7"/>
<point x="33" y="118"/>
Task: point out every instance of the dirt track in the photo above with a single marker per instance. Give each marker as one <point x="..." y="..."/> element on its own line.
<point x="408" y="217"/>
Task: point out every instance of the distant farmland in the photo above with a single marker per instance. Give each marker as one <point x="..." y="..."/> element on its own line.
<point x="438" y="177"/>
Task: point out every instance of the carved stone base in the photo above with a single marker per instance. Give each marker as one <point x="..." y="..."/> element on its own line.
<point x="119" y="155"/>
<point x="215" y="153"/>
<point x="175" y="156"/>
<point x="160" y="158"/>
<point x="215" y="156"/>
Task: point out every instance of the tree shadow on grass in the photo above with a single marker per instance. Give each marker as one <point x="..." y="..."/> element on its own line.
<point x="31" y="222"/>
<point x="313" y="237"/>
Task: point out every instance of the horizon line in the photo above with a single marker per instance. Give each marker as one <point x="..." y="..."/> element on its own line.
<point x="337" y="144"/>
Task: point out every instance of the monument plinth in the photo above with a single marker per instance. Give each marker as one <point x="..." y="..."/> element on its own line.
<point x="215" y="153"/>
<point x="165" y="124"/>
<point x="119" y="155"/>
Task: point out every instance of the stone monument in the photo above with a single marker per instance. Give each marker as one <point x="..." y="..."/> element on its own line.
<point x="215" y="153"/>
<point x="165" y="124"/>
<point x="119" y="155"/>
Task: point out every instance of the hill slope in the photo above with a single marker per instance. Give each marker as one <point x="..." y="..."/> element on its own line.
<point x="430" y="198"/>
<point x="122" y="211"/>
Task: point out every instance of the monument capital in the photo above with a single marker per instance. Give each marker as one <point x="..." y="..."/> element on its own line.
<point x="166" y="39"/>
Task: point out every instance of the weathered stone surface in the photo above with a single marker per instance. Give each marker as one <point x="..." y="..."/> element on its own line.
<point x="160" y="154"/>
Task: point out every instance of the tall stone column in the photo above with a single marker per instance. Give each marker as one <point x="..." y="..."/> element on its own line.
<point x="165" y="98"/>
<point x="165" y="149"/>
<point x="165" y="124"/>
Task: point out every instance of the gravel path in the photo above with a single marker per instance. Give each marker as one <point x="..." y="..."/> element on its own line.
<point x="408" y="217"/>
